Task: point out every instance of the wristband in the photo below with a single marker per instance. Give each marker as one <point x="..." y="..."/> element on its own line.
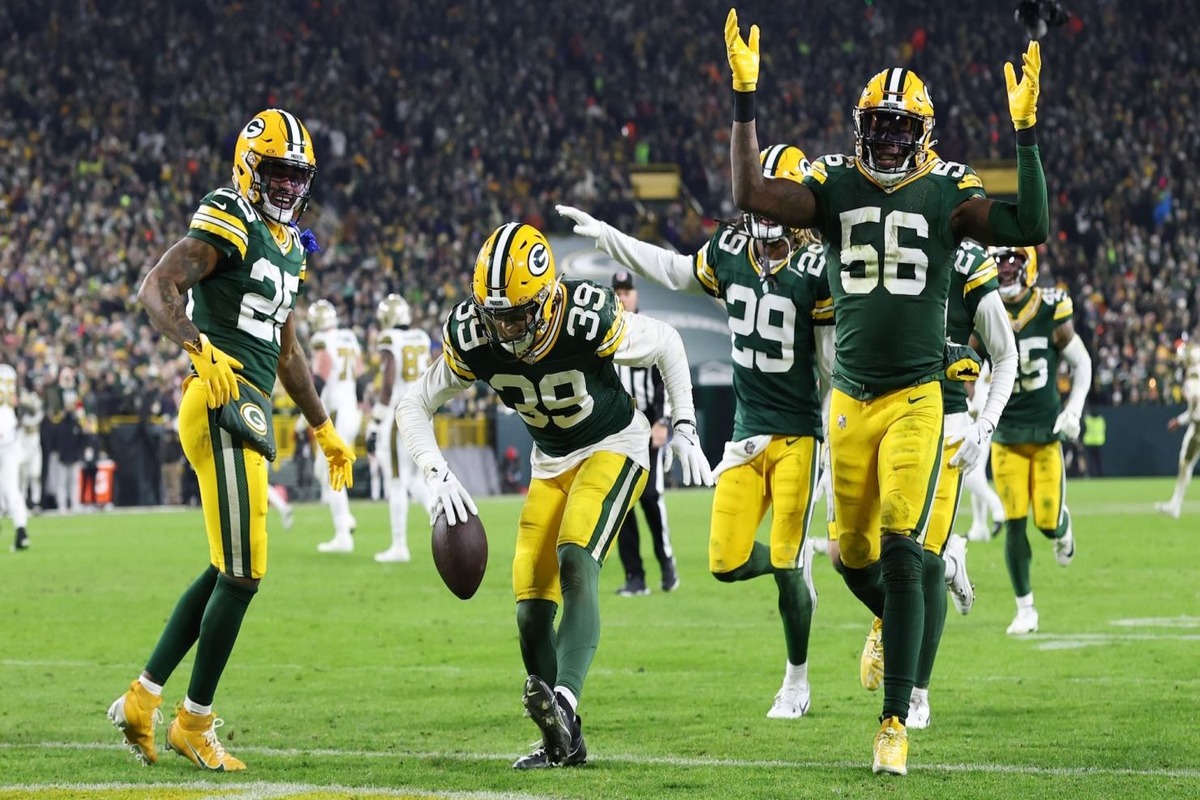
<point x="743" y="106"/>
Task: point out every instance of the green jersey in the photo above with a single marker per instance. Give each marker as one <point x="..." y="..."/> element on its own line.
<point x="891" y="253"/>
<point x="974" y="276"/>
<point x="1035" y="404"/>
<point x="771" y="324"/>
<point x="568" y="393"/>
<point x="242" y="305"/>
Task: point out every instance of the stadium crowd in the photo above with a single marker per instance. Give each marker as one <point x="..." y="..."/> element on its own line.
<point x="434" y="123"/>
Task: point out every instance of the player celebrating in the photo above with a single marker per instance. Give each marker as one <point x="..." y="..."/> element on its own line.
<point x="892" y="216"/>
<point x="548" y="348"/>
<point x="404" y="355"/>
<point x="780" y="317"/>
<point x="1189" y="451"/>
<point x="337" y="361"/>
<point x="1027" y="449"/>
<point x="224" y="293"/>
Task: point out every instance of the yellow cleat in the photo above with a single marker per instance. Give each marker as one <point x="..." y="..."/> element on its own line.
<point x="891" y="748"/>
<point x="135" y="714"/>
<point x="195" y="738"/>
<point x="870" y="666"/>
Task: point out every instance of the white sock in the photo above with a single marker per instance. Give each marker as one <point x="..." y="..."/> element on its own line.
<point x="150" y="686"/>
<point x="569" y="696"/>
<point x="920" y="694"/>
<point x="1025" y="601"/>
<point x="192" y="707"/>
<point x="796" y="675"/>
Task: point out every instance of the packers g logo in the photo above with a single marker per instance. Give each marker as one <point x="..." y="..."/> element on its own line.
<point x="254" y="418"/>
<point x="539" y="260"/>
<point x="254" y="128"/>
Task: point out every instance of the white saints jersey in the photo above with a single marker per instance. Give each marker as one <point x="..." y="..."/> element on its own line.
<point x="1189" y="357"/>
<point x="345" y="351"/>
<point x="410" y="352"/>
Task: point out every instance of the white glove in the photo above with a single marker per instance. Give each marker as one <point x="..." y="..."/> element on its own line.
<point x="448" y="495"/>
<point x="975" y="441"/>
<point x="1067" y="424"/>
<point x="585" y="223"/>
<point x="686" y="444"/>
<point x="825" y="482"/>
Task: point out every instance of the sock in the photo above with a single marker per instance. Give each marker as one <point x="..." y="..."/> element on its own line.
<point x="567" y="697"/>
<point x="759" y="563"/>
<point x="183" y="627"/>
<point x="535" y="630"/>
<point x="218" y="633"/>
<point x="795" y="675"/>
<point x="192" y="707"/>
<point x="795" y="608"/>
<point x="1018" y="555"/>
<point x="903" y="620"/>
<point x="867" y="585"/>
<point x="1025" y="602"/>
<point x="579" y="631"/>
<point x="150" y="686"/>
<point x="933" y="587"/>
<point x="920" y="693"/>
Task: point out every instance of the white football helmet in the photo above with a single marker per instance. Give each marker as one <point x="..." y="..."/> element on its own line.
<point x="393" y="312"/>
<point x="322" y="315"/>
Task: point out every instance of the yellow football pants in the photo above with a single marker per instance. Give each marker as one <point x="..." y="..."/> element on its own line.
<point x="1031" y="473"/>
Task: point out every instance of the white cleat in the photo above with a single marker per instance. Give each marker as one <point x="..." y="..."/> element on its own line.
<point x="961" y="590"/>
<point x="1169" y="509"/>
<point x="918" y="709"/>
<point x="289" y="518"/>
<point x="1026" y="621"/>
<point x="1064" y="548"/>
<point x="394" y="555"/>
<point x="338" y="544"/>
<point x="790" y="703"/>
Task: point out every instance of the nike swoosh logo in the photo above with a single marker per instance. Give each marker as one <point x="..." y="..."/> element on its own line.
<point x="213" y="356"/>
<point x="219" y="205"/>
<point x="792" y="441"/>
<point x="913" y="400"/>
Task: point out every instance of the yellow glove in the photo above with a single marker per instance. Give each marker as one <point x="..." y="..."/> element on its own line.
<point x="743" y="56"/>
<point x="338" y="454"/>
<point x="1023" y="96"/>
<point x="214" y="369"/>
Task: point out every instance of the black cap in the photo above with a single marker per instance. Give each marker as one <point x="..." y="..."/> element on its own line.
<point x="623" y="280"/>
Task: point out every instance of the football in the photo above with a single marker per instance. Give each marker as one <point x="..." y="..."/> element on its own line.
<point x="460" y="553"/>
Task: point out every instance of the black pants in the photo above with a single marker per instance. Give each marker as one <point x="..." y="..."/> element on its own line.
<point x="655" y="511"/>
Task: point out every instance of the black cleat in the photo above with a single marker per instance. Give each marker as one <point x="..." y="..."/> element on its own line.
<point x="634" y="587"/>
<point x="577" y="757"/>
<point x="670" y="578"/>
<point x="554" y="721"/>
<point x="996" y="528"/>
<point x="22" y="540"/>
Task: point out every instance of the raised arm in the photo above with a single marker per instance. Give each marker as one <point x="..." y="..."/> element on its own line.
<point x="671" y="269"/>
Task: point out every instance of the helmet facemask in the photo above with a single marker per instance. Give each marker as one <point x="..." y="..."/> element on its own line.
<point x="516" y="328"/>
<point x="1012" y="266"/>
<point x="773" y="243"/>
<point x="281" y="186"/>
<point x="892" y="143"/>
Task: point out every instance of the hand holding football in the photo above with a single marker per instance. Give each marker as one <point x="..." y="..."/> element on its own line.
<point x="460" y="553"/>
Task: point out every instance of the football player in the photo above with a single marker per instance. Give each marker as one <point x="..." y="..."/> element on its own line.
<point x="1027" y="455"/>
<point x="1189" y="451"/>
<point x="404" y="356"/>
<point x="548" y="348"/>
<point x="224" y="293"/>
<point x="11" y="457"/>
<point x="892" y="216"/>
<point x="772" y="281"/>
<point x="337" y="362"/>
<point x="29" y="416"/>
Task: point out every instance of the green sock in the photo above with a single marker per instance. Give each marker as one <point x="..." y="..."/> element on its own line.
<point x="218" y="633"/>
<point x="759" y="563"/>
<point x="1018" y="556"/>
<point x="535" y="628"/>
<point x="933" y="583"/>
<point x="182" y="628"/>
<point x="579" y="631"/>
<point x="795" y="607"/>
<point x="903" y="620"/>
<point x="867" y="585"/>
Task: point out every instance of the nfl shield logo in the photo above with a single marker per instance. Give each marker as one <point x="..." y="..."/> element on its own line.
<point x="841" y="422"/>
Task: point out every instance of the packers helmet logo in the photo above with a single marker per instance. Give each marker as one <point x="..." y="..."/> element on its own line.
<point x="254" y="418"/>
<point x="254" y="128"/>
<point x="539" y="260"/>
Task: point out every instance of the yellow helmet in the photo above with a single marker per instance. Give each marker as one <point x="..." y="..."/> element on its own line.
<point x="514" y="285"/>
<point x="322" y="316"/>
<point x="393" y="312"/>
<point x="1018" y="268"/>
<point x="274" y="165"/>
<point x="893" y="126"/>
<point x="779" y="161"/>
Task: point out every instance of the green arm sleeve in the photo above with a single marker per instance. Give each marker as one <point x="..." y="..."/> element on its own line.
<point x="1026" y="222"/>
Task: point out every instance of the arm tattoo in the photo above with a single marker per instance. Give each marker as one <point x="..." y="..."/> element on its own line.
<point x="163" y="293"/>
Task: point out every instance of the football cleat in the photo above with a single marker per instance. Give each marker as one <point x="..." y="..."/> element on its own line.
<point x="961" y="590"/>
<point x="135" y="714"/>
<point x="870" y="665"/>
<point x="21" y="542"/>
<point x="195" y="738"/>
<point x="918" y="709"/>
<point x="1064" y="547"/>
<point x="394" y="555"/>
<point x="1026" y="621"/>
<point x="670" y="576"/>
<point x="634" y="587"/>
<point x="338" y="544"/>
<point x="891" y="748"/>
<point x="790" y="703"/>
<point x="289" y="518"/>
<point x="542" y="706"/>
<point x="538" y="759"/>
<point x="1170" y="509"/>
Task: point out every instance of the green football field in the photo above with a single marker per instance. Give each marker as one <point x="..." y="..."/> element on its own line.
<point x="354" y="680"/>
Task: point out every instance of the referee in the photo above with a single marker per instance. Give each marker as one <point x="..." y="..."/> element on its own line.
<point x="645" y="385"/>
